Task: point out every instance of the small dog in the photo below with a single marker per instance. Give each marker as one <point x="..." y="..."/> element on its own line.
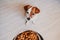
<point x="30" y="12"/>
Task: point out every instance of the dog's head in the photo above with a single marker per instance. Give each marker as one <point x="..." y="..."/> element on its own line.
<point x="31" y="11"/>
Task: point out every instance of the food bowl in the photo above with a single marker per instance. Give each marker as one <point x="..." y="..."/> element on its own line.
<point x="28" y="35"/>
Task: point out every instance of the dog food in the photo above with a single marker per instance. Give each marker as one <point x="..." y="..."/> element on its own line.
<point x="28" y="35"/>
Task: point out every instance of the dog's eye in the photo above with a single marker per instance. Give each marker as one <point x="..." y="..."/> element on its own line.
<point x="33" y="14"/>
<point x="27" y="12"/>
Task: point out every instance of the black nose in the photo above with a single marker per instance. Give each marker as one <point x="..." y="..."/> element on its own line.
<point x="28" y="18"/>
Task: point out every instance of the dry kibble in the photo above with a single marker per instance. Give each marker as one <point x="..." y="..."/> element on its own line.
<point x="27" y="35"/>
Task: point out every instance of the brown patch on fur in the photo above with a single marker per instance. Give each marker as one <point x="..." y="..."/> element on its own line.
<point x="27" y="7"/>
<point x="34" y="11"/>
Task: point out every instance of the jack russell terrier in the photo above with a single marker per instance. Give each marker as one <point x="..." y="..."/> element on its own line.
<point x="30" y="12"/>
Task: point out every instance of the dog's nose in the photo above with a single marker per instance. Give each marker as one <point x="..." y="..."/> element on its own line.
<point x="28" y="18"/>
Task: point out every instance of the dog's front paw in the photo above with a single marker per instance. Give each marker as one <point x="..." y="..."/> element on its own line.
<point x="25" y="22"/>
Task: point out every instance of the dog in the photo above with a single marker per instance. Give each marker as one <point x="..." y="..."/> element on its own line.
<point x="30" y="12"/>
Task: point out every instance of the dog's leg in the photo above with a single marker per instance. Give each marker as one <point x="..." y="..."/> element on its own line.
<point x="33" y="22"/>
<point x="25" y="22"/>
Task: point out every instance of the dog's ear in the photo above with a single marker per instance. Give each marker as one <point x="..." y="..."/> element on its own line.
<point x="36" y="10"/>
<point x="27" y="7"/>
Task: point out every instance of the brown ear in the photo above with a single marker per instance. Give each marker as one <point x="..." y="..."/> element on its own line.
<point x="37" y="10"/>
<point x="27" y="7"/>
